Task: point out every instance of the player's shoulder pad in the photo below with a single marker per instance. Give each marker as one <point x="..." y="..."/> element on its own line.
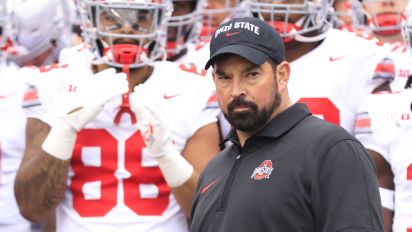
<point x="397" y="48"/>
<point x="204" y="44"/>
<point x="356" y="42"/>
<point x="184" y="70"/>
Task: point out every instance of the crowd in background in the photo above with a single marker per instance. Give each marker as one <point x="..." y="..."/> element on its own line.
<point x="95" y="169"/>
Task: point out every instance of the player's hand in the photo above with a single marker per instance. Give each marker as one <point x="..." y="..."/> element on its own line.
<point x="153" y="122"/>
<point x="155" y="129"/>
<point x="91" y="96"/>
<point x="78" y="105"/>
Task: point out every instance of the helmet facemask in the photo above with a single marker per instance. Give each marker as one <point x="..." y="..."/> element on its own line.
<point x="304" y="21"/>
<point x="385" y="17"/>
<point x="126" y="32"/>
<point x="183" y="26"/>
<point x="353" y="12"/>
<point x="220" y="11"/>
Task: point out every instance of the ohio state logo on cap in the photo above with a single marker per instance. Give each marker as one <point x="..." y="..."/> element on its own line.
<point x="263" y="171"/>
<point x="248" y="37"/>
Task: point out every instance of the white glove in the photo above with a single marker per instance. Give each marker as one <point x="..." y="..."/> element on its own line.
<point x="85" y="103"/>
<point x="153" y="122"/>
<point x="156" y="134"/>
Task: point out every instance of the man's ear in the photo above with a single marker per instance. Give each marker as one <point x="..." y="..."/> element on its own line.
<point x="282" y="75"/>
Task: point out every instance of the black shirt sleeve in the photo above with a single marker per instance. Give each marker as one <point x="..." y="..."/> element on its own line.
<point x="345" y="190"/>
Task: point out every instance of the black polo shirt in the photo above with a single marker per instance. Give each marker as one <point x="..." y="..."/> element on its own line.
<point x="299" y="173"/>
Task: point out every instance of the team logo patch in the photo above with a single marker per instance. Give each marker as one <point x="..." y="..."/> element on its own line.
<point x="263" y="171"/>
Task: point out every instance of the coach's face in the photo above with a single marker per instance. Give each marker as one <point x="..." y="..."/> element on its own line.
<point x="248" y="94"/>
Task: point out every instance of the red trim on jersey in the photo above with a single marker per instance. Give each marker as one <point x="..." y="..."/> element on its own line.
<point x="212" y="99"/>
<point x="388" y="68"/>
<point x="212" y="102"/>
<point x="363" y="123"/>
<point x="31" y="95"/>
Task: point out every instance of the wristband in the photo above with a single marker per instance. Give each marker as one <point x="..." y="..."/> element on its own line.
<point x="176" y="169"/>
<point x="59" y="143"/>
<point x="387" y="198"/>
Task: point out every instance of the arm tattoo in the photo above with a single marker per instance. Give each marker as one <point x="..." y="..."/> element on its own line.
<point x="41" y="179"/>
<point x="46" y="181"/>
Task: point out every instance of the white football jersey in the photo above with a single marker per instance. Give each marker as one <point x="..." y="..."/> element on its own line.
<point x="334" y="77"/>
<point x="196" y="57"/>
<point x="385" y="125"/>
<point x="12" y="142"/>
<point x="197" y="54"/>
<point x="402" y="60"/>
<point x="114" y="184"/>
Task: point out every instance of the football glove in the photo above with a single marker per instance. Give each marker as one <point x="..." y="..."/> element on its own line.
<point x="87" y="99"/>
<point x="154" y="127"/>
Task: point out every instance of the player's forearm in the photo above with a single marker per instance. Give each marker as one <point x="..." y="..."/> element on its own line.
<point x="387" y="220"/>
<point x="40" y="185"/>
<point x="184" y="194"/>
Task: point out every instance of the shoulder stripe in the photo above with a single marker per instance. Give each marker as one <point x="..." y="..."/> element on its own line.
<point x="31" y="98"/>
<point x="212" y="102"/>
<point x="363" y="123"/>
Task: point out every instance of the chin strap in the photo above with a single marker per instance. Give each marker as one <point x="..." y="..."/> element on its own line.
<point x="125" y="54"/>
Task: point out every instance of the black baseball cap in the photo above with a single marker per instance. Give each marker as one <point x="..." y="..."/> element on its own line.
<point x="249" y="37"/>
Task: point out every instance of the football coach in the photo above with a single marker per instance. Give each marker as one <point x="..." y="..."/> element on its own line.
<point x="285" y="170"/>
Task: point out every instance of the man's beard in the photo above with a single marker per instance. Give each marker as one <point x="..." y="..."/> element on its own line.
<point x="253" y="118"/>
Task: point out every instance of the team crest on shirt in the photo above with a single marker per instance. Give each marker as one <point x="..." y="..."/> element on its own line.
<point x="263" y="171"/>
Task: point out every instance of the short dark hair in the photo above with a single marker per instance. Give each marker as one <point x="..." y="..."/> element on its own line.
<point x="273" y="63"/>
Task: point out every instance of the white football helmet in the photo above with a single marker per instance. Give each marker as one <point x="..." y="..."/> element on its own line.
<point x="126" y="32"/>
<point x="39" y="25"/>
<point x="183" y="29"/>
<point x="385" y="17"/>
<point x="304" y="20"/>
<point x="216" y="12"/>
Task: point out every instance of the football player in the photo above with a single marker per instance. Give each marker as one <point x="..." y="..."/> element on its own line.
<point x="384" y="126"/>
<point x="106" y="158"/>
<point x="183" y="28"/>
<point x="39" y="30"/>
<point x="333" y="68"/>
